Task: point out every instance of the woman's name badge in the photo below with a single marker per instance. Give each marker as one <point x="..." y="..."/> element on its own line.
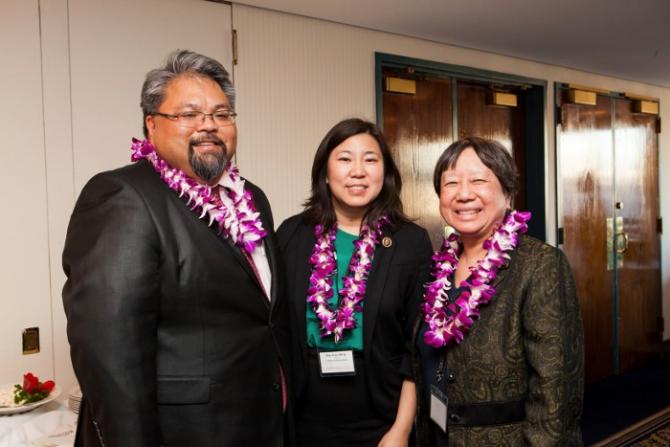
<point x="439" y="402"/>
<point x="337" y="363"/>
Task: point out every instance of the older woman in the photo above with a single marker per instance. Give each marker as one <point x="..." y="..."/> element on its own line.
<point x="355" y="270"/>
<point x="500" y="341"/>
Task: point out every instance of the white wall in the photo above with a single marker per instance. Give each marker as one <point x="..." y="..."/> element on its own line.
<point x="113" y="46"/>
<point x="71" y="75"/>
<point x="59" y="164"/>
<point x="298" y="76"/>
<point x="24" y="263"/>
<point x="73" y="81"/>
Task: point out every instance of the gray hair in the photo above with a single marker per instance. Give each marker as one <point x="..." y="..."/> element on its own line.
<point x="182" y="62"/>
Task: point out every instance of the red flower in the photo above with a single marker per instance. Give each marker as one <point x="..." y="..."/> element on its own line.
<point x="47" y="386"/>
<point x="30" y="383"/>
<point x="32" y="390"/>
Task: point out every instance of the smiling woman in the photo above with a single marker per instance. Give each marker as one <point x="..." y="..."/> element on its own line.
<point x="355" y="176"/>
<point x="355" y="268"/>
<point x="474" y="198"/>
<point x="500" y="346"/>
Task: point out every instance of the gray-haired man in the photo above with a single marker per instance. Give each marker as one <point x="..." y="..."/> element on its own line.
<point x="177" y="327"/>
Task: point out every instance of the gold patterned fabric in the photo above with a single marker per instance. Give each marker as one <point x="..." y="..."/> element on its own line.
<point x="527" y="345"/>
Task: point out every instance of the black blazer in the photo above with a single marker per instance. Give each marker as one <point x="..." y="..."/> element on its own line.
<point x="394" y="291"/>
<point x="172" y="339"/>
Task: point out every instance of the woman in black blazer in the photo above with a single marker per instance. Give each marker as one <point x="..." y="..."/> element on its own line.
<point x="355" y="270"/>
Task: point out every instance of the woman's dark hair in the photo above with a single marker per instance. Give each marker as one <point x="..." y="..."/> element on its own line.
<point x="319" y="206"/>
<point x="490" y="152"/>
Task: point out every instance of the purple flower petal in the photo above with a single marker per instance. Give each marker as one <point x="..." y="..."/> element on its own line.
<point x="456" y="318"/>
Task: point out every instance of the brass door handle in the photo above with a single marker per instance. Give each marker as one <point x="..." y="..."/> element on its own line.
<point x="620" y="249"/>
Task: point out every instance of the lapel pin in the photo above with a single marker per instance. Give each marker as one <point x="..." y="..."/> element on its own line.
<point x="387" y="242"/>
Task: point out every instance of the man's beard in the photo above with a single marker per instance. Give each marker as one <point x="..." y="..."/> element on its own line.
<point x="210" y="165"/>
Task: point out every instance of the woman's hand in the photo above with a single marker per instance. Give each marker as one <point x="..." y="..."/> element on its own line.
<point x="395" y="437"/>
<point x="398" y="435"/>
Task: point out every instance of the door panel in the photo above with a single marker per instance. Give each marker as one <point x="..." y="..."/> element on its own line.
<point x="636" y="185"/>
<point x="418" y="128"/>
<point x="608" y="161"/>
<point x="585" y="161"/>
<point x="504" y="124"/>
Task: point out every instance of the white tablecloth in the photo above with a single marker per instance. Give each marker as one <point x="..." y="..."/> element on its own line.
<point x="51" y="425"/>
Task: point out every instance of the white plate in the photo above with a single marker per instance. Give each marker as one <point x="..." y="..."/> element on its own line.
<point x="28" y="407"/>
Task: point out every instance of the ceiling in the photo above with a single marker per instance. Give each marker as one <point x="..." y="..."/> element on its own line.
<point x="626" y="39"/>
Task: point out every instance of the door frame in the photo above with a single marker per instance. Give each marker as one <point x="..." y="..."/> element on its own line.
<point x="614" y="299"/>
<point x="535" y="119"/>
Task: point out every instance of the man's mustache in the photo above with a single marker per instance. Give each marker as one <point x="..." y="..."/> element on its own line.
<point x="207" y="139"/>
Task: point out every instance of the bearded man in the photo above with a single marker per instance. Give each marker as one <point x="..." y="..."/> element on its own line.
<point x="177" y="327"/>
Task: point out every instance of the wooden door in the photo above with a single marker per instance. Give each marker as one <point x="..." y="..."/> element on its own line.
<point x="476" y="117"/>
<point x="637" y="202"/>
<point x="419" y="126"/>
<point x="608" y="170"/>
<point x="585" y="161"/>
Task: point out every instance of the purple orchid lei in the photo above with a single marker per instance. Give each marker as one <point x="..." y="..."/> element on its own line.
<point x="242" y="224"/>
<point x="446" y="321"/>
<point x="323" y="264"/>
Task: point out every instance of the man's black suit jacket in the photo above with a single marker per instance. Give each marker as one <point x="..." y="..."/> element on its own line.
<point x="393" y="293"/>
<point x="172" y="339"/>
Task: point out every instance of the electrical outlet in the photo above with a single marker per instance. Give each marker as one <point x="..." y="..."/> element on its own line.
<point x="31" y="340"/>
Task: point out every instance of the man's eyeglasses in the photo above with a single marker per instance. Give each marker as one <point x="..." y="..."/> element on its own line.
<point x="195" y="118"/>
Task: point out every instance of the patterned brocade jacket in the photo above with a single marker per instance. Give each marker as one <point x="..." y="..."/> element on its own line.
<point x="524" y="356"/>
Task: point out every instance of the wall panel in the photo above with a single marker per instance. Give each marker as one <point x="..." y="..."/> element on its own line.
<point x="24" y="263"/>
<point x="112" y="47"/>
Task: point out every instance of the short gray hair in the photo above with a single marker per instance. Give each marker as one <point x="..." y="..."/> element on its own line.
<point x="182" y="62"/>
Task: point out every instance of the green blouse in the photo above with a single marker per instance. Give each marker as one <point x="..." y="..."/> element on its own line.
<point x="353" y="339"/>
